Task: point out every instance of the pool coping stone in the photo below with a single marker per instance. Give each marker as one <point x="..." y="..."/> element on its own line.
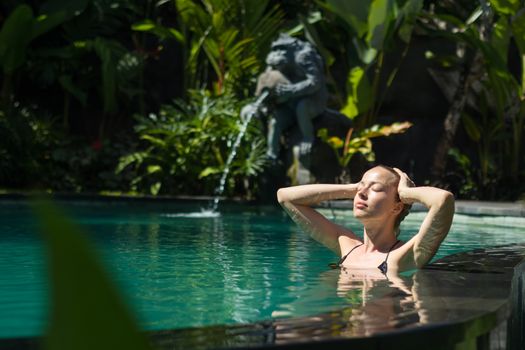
<point x="468" y="207"/>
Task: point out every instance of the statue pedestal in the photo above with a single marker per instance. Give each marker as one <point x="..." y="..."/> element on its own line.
<point x="298" y="172"/>
<point x="292" y="168"/>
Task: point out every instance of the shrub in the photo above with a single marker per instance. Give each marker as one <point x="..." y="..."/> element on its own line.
<point x="185" y="146"/>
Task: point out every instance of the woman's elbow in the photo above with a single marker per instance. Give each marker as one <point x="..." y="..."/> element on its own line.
<point x="282" y="196"/>
<point x="442" y="201"/>
<point x="422" y="255"/>
<point x="448" y="201"/>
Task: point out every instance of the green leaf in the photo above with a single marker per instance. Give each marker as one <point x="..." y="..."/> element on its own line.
<point x="312" y="34"/>
<point x="379" y="22"/>
<point x="45" y="23"/>
<point x="370" y="156"/>
<point x="366" y="54"/>
<point x="503" y="87"/>
<point x="354" y="12"/>
<point x="15" y="36"/>
<point x="209" y="171"/>
<point x="500" y="38"/>
<point x="109" y="52"/>
<point x="56" y="12"/>
<point x="67" y="84"/>
<point x="334" y="142"/>
<point x="461" y="158"/>
<point x="506" y="7"/>
<point x="217" y="19"/>
<point x="503" y="84"/>
<point x="410" y="11"/>
<point x="360" y="98"/>
<point x="153" y="169"/>
<point x="471" y="127"/>
<point x="87" y="311"/>
<point x="124" y="161"/>
<point x="143" y="26"/>
<point x="155" y="188"/>
<point x="256" y="160"/>
<point x="154" y="140"/>
<point x="193" y="15"/>
<point x="254" y="10"/>
<point x="69" y="8"/>
<point x="322" y="133"/>
<point x="175" y="34"/>
<point x="162" y="32"/>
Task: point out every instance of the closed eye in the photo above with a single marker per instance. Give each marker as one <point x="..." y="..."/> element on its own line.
<point x="374" y="186"/>
<point x="377" y="188"/>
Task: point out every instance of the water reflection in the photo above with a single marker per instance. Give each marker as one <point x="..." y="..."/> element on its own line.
<point x="375" y="303"/>
<point x="374" y="297"/>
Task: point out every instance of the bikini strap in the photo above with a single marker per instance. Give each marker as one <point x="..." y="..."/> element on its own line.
<point x="344" y="257"/>
<point x="383" y="267"/>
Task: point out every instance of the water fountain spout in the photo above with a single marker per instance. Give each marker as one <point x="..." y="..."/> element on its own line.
<point x="254" y="107"/>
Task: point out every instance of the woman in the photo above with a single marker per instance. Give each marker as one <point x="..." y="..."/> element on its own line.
<point x="381" y="200"/>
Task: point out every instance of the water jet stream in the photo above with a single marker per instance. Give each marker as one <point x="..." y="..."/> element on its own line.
<point x="220" y="188"/>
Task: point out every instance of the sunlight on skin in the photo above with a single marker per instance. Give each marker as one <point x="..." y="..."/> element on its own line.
<point x="432" y="233"/>
<point x="377" y="206"/>
<point x="306" y="223"/>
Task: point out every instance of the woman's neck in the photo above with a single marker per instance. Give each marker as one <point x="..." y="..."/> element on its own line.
<point x="378" y="236"/>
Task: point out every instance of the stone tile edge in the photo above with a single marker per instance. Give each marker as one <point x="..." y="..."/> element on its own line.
<point x="515" y="209"/>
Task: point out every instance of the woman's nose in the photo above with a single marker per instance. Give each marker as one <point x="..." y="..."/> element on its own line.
<point x="362" y="192"/>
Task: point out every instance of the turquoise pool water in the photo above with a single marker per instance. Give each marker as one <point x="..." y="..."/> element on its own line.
<point x="177" y="271"/>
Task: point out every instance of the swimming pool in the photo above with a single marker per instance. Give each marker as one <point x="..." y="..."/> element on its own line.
<point x="249" y="264"/>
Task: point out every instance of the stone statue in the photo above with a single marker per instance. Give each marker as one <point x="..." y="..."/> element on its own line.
<point x="294" y="76"/>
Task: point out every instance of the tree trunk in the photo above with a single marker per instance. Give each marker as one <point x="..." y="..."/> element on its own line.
<point x="474" y="72"/>
<point x="466" y="79"/>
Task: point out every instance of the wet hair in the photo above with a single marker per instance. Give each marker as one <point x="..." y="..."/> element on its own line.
<point x="406" y="207"/>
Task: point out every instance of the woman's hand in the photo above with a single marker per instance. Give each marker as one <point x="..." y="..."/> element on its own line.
<point x="404" y="183"/>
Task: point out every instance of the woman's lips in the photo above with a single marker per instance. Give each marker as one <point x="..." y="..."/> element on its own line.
<point x="360" y="205"/>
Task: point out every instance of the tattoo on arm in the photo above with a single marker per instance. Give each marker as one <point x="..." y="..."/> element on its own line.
<point x="314" y="224"/>
<point x="433" y="231"/>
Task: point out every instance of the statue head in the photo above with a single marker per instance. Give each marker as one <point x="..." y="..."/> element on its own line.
<point x="282" y="51"/>
<point x="284" y="40"/>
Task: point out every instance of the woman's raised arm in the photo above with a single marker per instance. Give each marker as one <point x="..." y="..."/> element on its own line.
<point x="297" y="202"/>
<point x="440" y="203"/>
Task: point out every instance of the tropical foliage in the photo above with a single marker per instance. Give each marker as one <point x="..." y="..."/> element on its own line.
<point x="230" y="37"/>
<point x="489" y="104"/>
<point x="77" y="77"/>
<point x="359" y="143"/>
<point x="70" y="47"/>
<point x="186" y="145"/>
<point x="374" y="27"/>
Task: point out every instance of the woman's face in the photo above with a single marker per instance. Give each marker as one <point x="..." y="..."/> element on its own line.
<point x="376" y="194"/>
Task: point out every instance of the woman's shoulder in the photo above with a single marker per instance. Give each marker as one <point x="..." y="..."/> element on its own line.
<point x="347" y="243"/>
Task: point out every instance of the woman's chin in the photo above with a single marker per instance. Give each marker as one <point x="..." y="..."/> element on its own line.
<point x="358" y="213"/>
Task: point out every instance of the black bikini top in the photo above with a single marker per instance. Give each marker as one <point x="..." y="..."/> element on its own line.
<point x="383" y="267"/>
